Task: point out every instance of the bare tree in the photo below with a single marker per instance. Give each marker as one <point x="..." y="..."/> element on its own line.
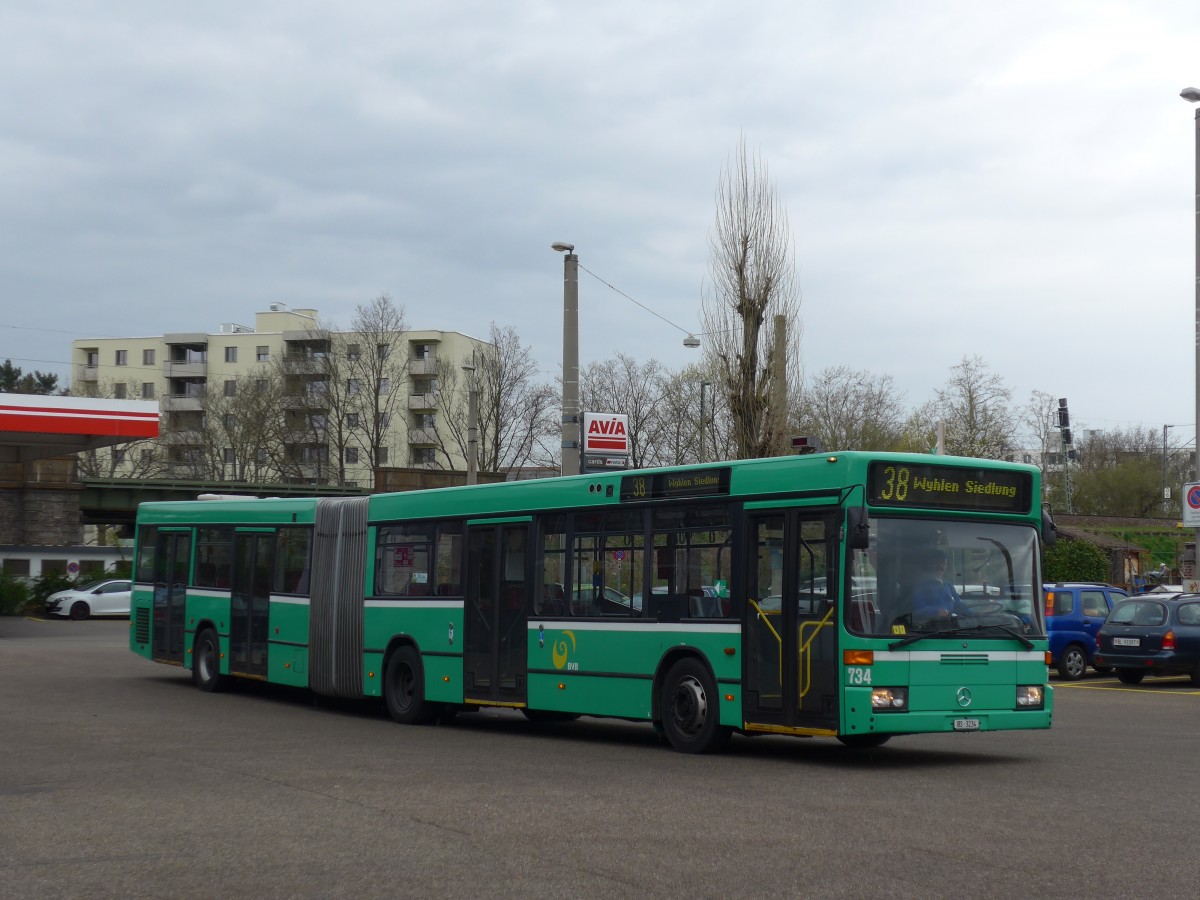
<point x="752" y="269"/>
<point x="378" y="375"/>
<point x="622" y="385"/>
<point x="135" y="459"/>
<point x="847" y="409"/>
<point x="974" y="405"/>
<point x="517" y="414"/>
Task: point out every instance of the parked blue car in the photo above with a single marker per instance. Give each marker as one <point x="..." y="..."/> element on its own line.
<point x="1074" y="613"/>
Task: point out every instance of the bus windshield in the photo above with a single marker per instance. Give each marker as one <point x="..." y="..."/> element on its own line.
<point x="938" y="576"/>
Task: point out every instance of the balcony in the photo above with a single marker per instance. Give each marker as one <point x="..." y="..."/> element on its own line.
<point x="183" y="438"/>
<point x="89" y="373"/>
<point x="192" y="368"/>
<point x="426" y="365"/>
<point x="182" y="403"/>
<point x="422" y="401"/>
<point x="423" y="436"/>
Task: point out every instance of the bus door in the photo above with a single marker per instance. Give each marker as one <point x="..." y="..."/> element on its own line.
<point x="494" y="639"/>
<point x="791" y="677"/>
<point x="172" y="571"/>
<point x="250" y="602"/>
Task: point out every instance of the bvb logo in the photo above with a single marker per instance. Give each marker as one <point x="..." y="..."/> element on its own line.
<point x="560" y="652"/>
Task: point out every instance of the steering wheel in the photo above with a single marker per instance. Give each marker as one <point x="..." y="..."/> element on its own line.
<point x="986" y="608"/>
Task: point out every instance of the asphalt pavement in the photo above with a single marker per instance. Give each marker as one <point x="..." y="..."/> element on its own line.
<point x="119" y="779"/>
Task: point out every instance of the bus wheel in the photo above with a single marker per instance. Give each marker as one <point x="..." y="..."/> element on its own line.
<point x="690" y="715"/>
<point x="206" y="663"/>
<point x="404" y="688"/>
<point x="864" y="741"/>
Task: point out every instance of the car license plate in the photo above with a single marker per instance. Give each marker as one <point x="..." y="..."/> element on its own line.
<point x="1127" y="642"/>
<point x="966" y="724"/>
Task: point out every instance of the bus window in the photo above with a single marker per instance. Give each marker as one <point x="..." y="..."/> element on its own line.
<point x="692" y="558"/>
<point x="449" y="559"/>
<point x="214" y="557"/>
<point x="292" y="560"/>
<point x="606" y="563"/>
<point x="550" y="601"/>
<point x="403" y="554"/>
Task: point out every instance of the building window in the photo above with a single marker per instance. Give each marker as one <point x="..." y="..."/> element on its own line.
<point x="261" y="456"/>
<point x="54" y="567"/>
<point x="382" y="456"/>
<point x="260" y="385"/>
<point x="120" y="390"/>
<point x="262" y="354"/>
<point x="422" y="456"/>
<point x="147" y="357"/>
<point x="148" y="390"/>
<point x="352" y="352"/>
<point x="230" y="421"/>
<point x="16" y="567"/>
<point x="384" y="350"/>
<point x="118" y="456"/>
<point x="353" y="386"/>
<point x="93" y="359"/>
<point x="147" y="454"/>
<point x="230" y="456"/>
<point x="230" y="388"/>
<point x="351" y="420"/>
<point x="352" y="455"/>
<point x="385" y="385"/>
<point x="122" y="357"/>
<point x="231" y="354"/>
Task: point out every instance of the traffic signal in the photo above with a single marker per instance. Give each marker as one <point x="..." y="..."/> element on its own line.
<point x="1064" y="417"/>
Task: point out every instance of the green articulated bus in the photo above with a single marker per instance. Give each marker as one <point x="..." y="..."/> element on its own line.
<point x="803" y="595"/>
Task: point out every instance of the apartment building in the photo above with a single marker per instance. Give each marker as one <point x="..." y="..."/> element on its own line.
<point x="316" y="386"/>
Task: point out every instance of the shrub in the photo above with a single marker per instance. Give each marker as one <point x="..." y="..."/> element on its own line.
<point x="1074" y="561"/>
<point x="14" y="595"/>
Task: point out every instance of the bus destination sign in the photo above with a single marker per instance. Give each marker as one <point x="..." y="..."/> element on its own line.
<point x="933" y="486"/>
<point x="675" y="485"/>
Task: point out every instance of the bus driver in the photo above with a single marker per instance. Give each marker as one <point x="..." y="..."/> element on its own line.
<point x="933" y="597"/>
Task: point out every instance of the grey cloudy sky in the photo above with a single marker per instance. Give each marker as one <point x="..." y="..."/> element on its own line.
<point x="1010" y="180"/>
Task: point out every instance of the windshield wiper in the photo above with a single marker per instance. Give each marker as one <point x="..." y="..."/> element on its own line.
<point x="960" y="630"/>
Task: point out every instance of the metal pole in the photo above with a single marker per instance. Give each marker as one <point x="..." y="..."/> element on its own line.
<point x="473" y="433"/>
<point x="1196" y="474"/>
<point x="570" y="411"/>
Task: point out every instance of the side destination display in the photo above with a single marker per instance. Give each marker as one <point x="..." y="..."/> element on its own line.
<point x="675" y="485"/>
<point x="932" y="486"/>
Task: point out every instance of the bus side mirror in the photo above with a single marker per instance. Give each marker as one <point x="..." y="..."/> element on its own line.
<point x="1049" y="529"/>
<point x="858" y="528"/>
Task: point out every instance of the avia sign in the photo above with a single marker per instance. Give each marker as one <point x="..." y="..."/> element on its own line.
<point x="605" y="434"/>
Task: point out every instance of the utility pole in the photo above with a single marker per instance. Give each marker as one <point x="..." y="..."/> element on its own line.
<point x="1166" y="490"/>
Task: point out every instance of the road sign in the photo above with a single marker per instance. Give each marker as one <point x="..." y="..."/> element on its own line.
<point x="1191" y="505"/>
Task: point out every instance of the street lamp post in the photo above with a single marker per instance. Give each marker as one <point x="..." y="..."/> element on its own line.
<point x="472" y="426"/>
<point x="1192" y="95"/>
<point x="570" y="404"/>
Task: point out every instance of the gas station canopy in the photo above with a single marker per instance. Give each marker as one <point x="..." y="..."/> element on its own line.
<point x="35" y="426"/>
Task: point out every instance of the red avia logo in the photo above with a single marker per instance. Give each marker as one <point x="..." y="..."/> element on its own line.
<point x="607" y="433"/>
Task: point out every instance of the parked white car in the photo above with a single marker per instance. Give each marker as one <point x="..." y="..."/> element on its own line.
<point x="108" y="597"/>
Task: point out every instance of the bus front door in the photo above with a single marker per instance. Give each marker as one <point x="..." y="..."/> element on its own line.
<point x="494" y="649"/>
<point x="791" y="672"/>
<point x="172" y="571"/>
<point x="250" y="602"/>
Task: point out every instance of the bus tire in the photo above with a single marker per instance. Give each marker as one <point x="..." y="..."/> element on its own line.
<point x="404" y="688"/>
<point x="864" y="741"/>
<point x="1072" y="663"/>
<point x="691" y="715"/>
<point x="206" y="663"/>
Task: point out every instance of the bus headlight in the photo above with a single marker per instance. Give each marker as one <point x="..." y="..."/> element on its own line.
<point x="1030" y="696"/>
<point x="889" y="699"/>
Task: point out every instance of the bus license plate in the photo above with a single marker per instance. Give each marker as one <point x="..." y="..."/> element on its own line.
<point x="966" y="724"/>
<point x="1127" y="642"/>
